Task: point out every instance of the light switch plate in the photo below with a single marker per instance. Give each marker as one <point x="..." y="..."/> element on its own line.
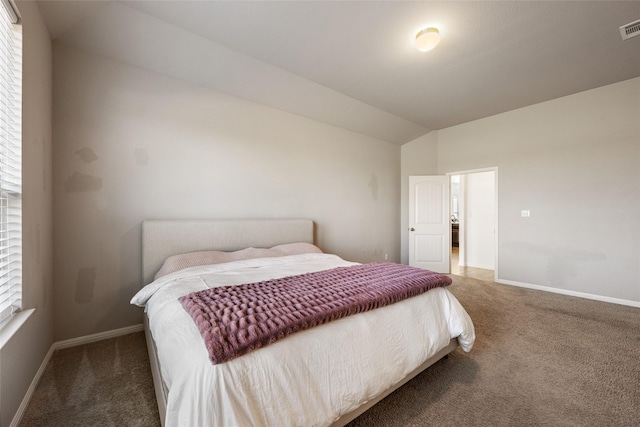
<point x="525" y="213"/>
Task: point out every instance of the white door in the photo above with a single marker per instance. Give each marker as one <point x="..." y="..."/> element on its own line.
<point x="429" y="223"/>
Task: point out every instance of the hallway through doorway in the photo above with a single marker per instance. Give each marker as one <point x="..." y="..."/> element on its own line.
<point x="473" y="272"/>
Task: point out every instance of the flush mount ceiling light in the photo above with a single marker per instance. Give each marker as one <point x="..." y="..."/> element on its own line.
<point x="427" y="39"/>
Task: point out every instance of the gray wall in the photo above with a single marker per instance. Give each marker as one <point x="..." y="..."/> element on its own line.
<point x="131" y="144"/>
<point x="574" y="162"/>
<point x="418" y="157"/>
<point x="23" y="354"/>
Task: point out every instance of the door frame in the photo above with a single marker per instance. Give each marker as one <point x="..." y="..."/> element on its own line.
<point x="493" y="169"/>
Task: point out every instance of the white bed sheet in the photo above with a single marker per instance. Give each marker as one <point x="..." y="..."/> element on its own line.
<point x="310" y="378"/>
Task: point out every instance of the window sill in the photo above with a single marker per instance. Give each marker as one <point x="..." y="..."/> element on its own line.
<point x="12" y="325"/>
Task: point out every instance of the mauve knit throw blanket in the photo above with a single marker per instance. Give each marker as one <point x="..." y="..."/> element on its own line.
<point x="235" y="320"/>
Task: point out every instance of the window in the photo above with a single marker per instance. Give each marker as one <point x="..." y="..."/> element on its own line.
<point x="10" y="161"/>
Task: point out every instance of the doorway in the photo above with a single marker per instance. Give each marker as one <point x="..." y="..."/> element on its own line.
<point x="474" y="223"/>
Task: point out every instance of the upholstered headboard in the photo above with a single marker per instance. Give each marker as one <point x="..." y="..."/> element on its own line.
<point x="162" y="238"/>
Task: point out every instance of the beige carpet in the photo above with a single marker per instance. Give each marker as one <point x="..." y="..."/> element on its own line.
<point x="106" y="383"/>
<point x="540" y="359"/>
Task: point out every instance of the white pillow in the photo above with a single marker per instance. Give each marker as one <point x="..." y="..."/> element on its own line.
<point x="192" y="259"/>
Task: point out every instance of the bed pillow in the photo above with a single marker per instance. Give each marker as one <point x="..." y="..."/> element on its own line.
<point x="192" y="259"/>
<point x="295" y="249"/>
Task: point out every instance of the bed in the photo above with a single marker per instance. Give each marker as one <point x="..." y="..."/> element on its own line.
<point x="327" y="375"/>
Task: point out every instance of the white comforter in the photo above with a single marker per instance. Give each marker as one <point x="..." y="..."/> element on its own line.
<point x="310" y="378"/>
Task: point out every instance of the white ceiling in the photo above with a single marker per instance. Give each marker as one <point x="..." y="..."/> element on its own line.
<point x="352" y="63"/>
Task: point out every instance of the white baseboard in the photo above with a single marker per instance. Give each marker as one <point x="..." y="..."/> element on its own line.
<point x="571" y="293"/>
<point x="32" y="388"/>
<point x="66" y="344"/>
<point x="97" y="337"/>
<point x="482" y="266"/>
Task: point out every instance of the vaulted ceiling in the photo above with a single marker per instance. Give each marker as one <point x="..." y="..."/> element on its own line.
<point x="352" y="63"/>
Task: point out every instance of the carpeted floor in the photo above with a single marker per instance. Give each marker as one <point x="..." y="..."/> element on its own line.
<point x="540" y="359"/>
<point x="106" y="383"/>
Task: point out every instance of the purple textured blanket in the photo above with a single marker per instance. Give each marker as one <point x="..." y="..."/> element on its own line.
<point x="235" y="320"/>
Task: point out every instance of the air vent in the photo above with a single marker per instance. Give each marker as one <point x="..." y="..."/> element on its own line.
<point x="630" y="30"/>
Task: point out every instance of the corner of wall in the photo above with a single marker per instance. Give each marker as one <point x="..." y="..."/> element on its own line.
<point x="23" y="354"/>
<point x="417" y="157"/>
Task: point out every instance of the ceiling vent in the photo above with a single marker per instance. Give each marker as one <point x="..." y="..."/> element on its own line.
<point x="630" y="30"/>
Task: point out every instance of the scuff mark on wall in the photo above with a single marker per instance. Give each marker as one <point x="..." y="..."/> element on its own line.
<point x="87" y="155"/>
<point x="81" y="182"/>
<point x="84" y="285"/>
<point x="142" y="157"/>
<point x="373" y="185"/>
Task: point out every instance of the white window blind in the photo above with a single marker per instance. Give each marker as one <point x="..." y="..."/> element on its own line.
<point x="10" y="162"/>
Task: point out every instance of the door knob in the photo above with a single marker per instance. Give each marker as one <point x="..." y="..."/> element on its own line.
<point x="412" y="229"/>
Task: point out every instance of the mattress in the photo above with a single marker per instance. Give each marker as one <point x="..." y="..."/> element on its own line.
<point x="310" y="378"/>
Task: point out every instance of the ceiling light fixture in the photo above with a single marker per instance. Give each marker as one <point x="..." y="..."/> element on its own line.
<point x="427" y="39"/>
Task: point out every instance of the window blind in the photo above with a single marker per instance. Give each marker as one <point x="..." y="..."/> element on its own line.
<point x="10" y="162"/>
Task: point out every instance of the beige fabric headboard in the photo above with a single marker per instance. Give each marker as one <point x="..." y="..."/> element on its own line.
<point x="162" y="238"/>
